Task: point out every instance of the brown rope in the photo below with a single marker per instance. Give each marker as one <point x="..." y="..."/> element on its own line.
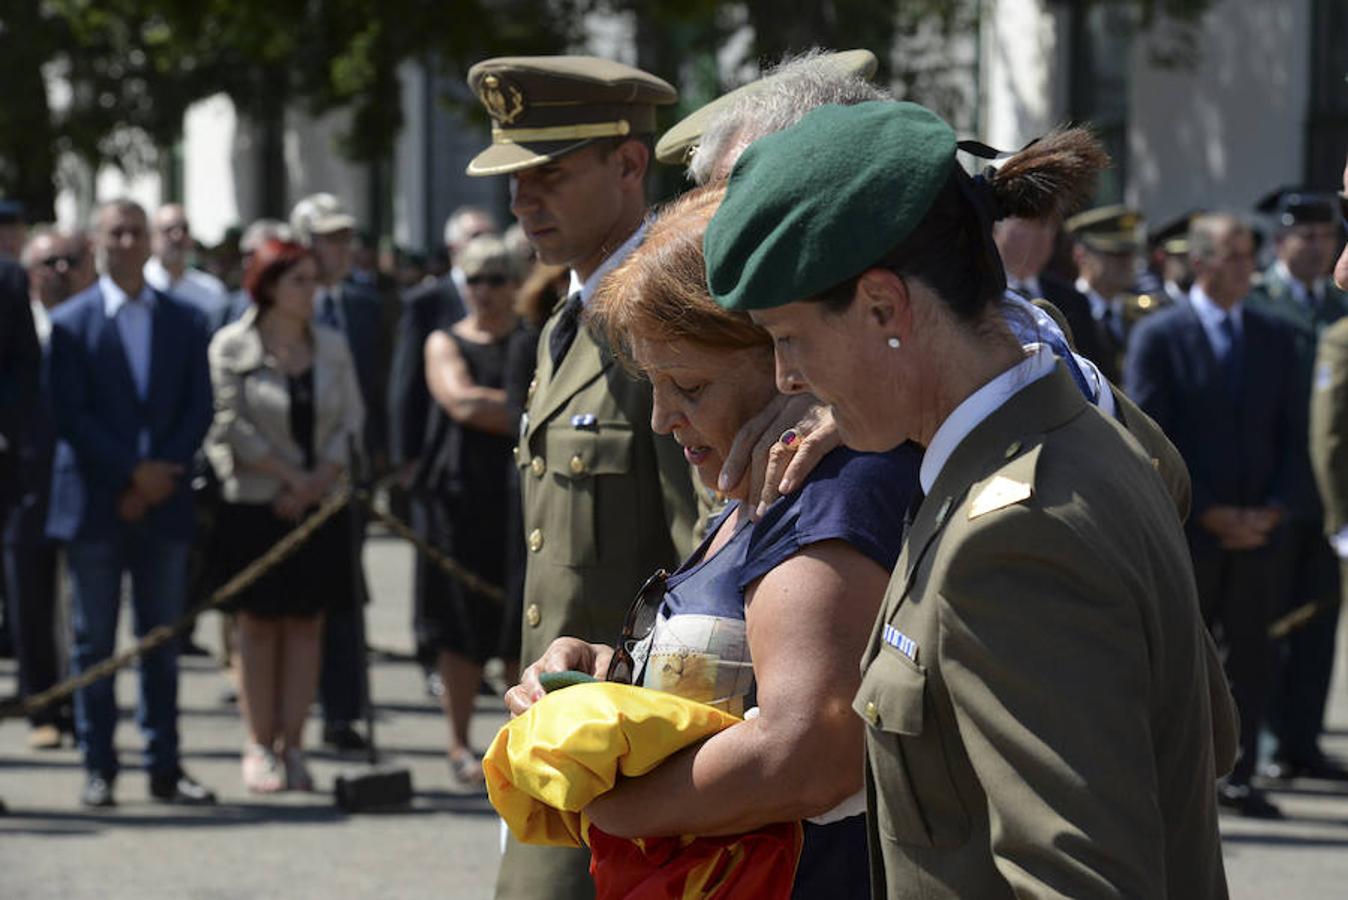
<point x="243" y="580"/>
<point x="454" y="569"/>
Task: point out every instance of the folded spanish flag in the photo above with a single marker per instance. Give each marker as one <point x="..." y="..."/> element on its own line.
<point x="547" y="765"/>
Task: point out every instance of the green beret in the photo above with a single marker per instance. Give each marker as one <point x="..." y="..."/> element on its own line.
<point x="822" y="201"/>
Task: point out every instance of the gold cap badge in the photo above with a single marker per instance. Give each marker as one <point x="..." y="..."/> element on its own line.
<point x="503" y="99"/>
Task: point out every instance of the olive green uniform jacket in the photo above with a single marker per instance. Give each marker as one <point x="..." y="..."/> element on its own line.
<point x="1329" y="425"/>
<point x="1274" y="294"/>
<point x="606" y="503"/>
<point x="1056" y="724"/>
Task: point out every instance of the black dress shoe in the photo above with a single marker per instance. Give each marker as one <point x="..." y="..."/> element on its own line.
<point x="179" y="787"/>
<point x="1247" y="801"/>
<point x="342" y="737"/>
<point x="98" y="791"/>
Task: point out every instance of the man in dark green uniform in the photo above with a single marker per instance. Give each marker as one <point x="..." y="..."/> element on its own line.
<point x="606" y="502"/>
<point x="1297" y="290"/>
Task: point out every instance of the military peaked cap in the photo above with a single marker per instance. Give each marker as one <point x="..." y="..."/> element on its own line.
<point x="1108" y="229"/>
<point x="1173" y="236"/>
<point x="1299" y="206"/>
<point x="543" y="107"/>
<point x="676" y="144"/>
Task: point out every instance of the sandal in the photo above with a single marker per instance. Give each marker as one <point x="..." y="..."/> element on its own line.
<point x="466" y="767"/>
<point x="297" y="773"/>
<point x="261" y="771"/>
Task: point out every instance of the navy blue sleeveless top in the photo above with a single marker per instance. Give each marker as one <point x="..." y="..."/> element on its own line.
<point x="698" y="648"/>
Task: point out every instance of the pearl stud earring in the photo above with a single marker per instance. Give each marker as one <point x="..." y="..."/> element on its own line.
<point x="894" y="343"/>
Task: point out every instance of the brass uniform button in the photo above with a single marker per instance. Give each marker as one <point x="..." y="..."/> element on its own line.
<point x="872" y="712"/>
<point x="577" y="465"/>
<point x="533" y="615"/>
<point x="538" y="466"/>
<point x="516" y="449"/>
<point x="533" y="386"/>
<point x="535" y="540"/>
<point x="1013" y="449"/>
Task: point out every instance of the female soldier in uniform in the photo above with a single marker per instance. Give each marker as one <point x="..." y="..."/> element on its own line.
<point x="1036" y="689"/>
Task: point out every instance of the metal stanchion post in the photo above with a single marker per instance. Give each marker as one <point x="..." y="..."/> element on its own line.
<point x="379" y="787"/>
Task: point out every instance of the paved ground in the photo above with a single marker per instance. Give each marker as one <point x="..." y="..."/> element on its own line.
<point x="445" y="846"/>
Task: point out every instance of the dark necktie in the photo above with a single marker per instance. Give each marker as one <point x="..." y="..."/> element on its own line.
<point x="1114" y="325"/>
<point x="564" y="335"/>
<point x="1232" y="355"/>
<point x="327" y="309"/>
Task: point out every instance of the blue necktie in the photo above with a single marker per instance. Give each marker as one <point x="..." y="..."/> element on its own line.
<point x="1232" y="354"/>
<point x="327" y="310"/>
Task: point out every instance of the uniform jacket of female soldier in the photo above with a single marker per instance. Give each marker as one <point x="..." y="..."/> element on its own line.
<point x="1044" y="578"/>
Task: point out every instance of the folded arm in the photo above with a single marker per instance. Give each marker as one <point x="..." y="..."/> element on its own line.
<point x="808" y="621"/>
<point x="465" y="401"/>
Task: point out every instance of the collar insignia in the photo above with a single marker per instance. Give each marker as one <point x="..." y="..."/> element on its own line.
<point x="999" y="493"/>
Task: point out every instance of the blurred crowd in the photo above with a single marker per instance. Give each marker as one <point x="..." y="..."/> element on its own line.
<point x="260" y="373"/>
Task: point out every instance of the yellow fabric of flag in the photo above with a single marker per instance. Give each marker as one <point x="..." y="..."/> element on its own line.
<point x="547" y="765"/>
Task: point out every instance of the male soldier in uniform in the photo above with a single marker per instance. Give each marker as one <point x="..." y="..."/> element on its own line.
<point x="1107" y="241"/>
<point x="1169" y="275"/>
<point x="1297" y="290"/>
<point x="1329" y="415"/>
<point x="606" y="502"/>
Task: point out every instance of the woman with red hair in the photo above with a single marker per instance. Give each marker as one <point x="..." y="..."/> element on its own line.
<point x="287" y="406"/>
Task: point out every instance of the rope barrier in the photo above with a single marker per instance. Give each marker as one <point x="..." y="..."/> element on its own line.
<point x="451" y="567"/>
<point x="243" y="580"/>
<point x="288" y="545"/>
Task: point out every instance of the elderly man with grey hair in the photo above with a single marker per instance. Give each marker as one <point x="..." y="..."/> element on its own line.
<point x="775" y="102"/>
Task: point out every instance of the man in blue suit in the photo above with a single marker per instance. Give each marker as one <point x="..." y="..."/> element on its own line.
<point x="131" y="400"/>
<point x="1220" y="377"/>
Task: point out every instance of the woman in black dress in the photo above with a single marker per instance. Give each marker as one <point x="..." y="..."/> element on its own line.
<point x="287" y="406"/>
<point x="468" y="467"/>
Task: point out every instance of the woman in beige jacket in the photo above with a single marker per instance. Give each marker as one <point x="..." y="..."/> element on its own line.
<point x="287" y="407"/>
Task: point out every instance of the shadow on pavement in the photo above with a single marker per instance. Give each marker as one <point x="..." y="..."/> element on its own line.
<point x="67" y="760"/>
<point x="138" y="814"/>
<point x="1284" y="840"/>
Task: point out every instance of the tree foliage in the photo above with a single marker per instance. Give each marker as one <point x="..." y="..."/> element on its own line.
<point x="132" y="67"/>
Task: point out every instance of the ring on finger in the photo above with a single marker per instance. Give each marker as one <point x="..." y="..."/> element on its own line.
<point x="789" y="437"/>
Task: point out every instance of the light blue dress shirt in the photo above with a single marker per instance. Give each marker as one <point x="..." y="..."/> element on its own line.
<point x="1211" y="316"/>
<point x="135" y="323"/>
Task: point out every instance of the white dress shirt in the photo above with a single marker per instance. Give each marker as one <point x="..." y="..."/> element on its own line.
<point x="41" y="322"/>
<point x="1100" y="307"/>
<point x="1039" y="362"/>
